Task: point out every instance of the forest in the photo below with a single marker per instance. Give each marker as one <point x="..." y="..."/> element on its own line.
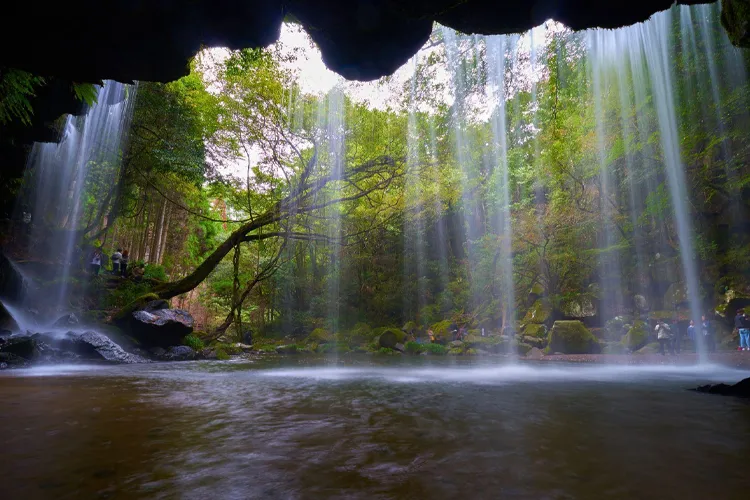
<point x="506" y="182"/>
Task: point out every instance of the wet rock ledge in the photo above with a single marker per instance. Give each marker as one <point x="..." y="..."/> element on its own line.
<point x="740" y="390"/>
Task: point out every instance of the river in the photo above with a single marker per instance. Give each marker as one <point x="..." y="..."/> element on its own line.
<point x="433" y="429"/>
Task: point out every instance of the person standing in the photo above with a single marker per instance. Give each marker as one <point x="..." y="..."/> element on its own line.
<point x="708" y="334"/>
<point x="741" y="323"/>
<point x="664" y="336"/>
<point x="691" y="334"/>
<point x="96" y="262"/>
<point x="116" y="258"/>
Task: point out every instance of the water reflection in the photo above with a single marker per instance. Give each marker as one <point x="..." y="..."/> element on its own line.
<point x="219" y="430"/>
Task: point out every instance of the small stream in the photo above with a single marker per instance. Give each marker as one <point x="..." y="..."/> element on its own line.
<point x="402" y="429"/>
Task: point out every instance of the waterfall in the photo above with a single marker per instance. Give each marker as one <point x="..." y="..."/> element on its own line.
<point x="67" y="184"/>
<point x="336" y="151"/>
<point x="496" y="49"/>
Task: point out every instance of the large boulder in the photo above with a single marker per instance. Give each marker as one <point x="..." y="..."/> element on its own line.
<point x="161" y="327"/>
<point x="676" y="296"/>
<point x="86" y="345"/>
<point x="390" y="337"/>
<point x="637" y="336"/>
<point x="24" y="346"/>
<point x="578" y="306"/>
<point x="535" y="330"/>
<point x="572" y="337"/>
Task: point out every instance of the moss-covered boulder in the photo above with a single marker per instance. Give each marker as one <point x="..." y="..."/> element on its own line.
<point x="578" y="306"/>
<point x="523" y="349"/>
<point x="637" y="336"/>
<point x="572" y="337"/>
<point x="539" y="312"/>
<point x="535" y="330"/>
<point x="319" y="336"/>
<point x="390" y="337"/>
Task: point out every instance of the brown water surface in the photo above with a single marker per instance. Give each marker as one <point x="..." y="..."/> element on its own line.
<point x="407" y="429"/>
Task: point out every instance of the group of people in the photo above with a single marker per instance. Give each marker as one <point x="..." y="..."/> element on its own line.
<point x="671" y="340"/>
<point x="119" y="260"/>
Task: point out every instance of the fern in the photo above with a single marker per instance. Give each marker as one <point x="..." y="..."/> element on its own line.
<point x="86" y="92"/>
<point x="16" y="87"/>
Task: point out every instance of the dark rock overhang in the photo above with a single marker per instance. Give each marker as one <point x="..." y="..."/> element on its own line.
<point x="87" y="40"/>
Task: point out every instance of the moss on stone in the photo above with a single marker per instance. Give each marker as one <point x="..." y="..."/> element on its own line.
<point x="572" y="337"/>
<point x="535" y="330"/>
<point x="523" y="349"/>
<point x="319" y="336"/>
<point x="636" y="337"/>
<point x="124" y="313"/>
<point x="539" y="312"/>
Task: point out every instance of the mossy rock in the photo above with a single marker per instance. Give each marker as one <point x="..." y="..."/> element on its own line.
<point x="479" y="342"/>
<point x="390" y="337"/>
<point x="637" y="336"/>
<point x="123" y="314"/>
<point x="523" y="349"/>
<point x="363" y="331"/>
<point x="539" y="312"/>
<point x="534" y="341"/>
<point x="572" y="337"/>
<point x="319" y="336"/>
<point x="471" y="352"/>
<point x="455" y="351"/>
<point x="578" y="306"/>
<point x="535" y="330"/>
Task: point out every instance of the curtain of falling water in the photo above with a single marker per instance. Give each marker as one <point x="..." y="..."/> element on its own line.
<point x="414" y="230"/>
<point x="609" y="258"/>
<point x="496" y="47"/>
<point x="335" y="138"/>
<point x="58" y="175"/>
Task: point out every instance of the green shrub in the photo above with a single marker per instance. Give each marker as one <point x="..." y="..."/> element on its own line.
<point x="385" y="350"/>
<point x="194" y="342"/>
<point x="155" y="272"/>
<point x="221" y="354"/>
<point x="267" y="348"/>
<point x="441" y="330"/>
<point x="435" y="349"/>
<point x="414" y="347"/>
